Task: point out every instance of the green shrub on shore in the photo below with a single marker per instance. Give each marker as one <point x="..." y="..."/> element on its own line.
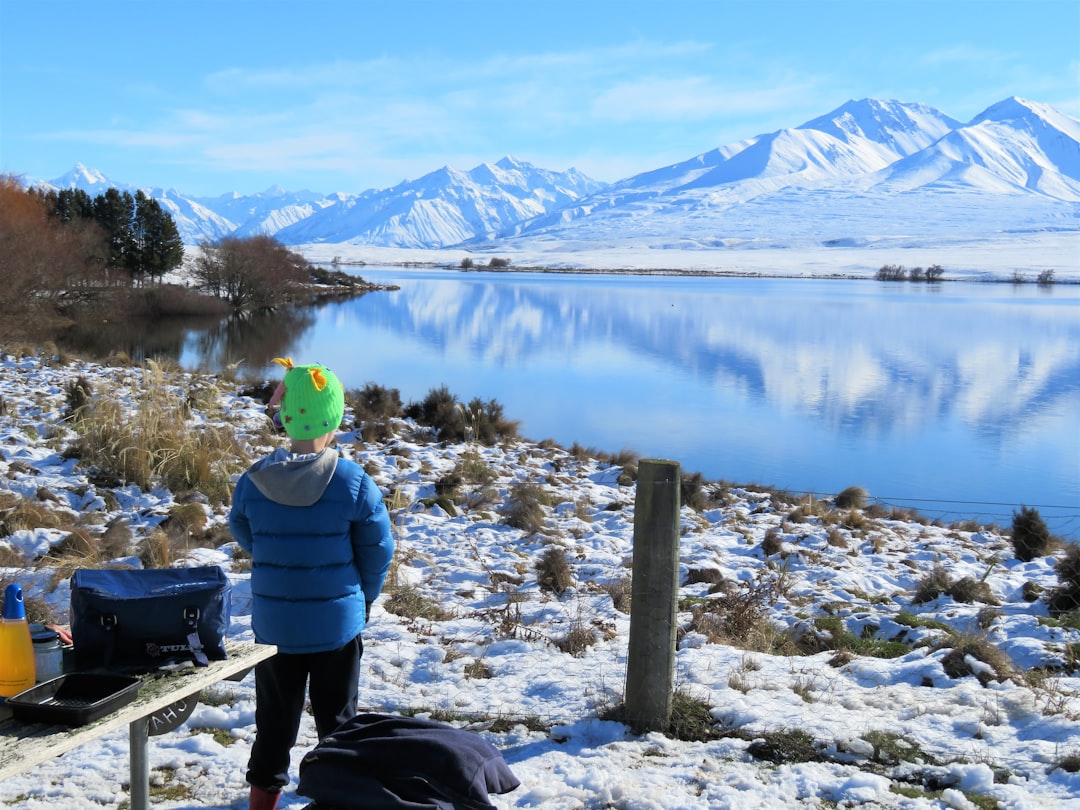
<point x="1030" y="535"/>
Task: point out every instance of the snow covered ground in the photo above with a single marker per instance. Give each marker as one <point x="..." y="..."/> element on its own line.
<point x="872" y="732"/>
<point x="963" y="258"/>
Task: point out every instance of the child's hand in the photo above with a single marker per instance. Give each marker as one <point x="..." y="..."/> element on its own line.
<point x="65" y="635"/>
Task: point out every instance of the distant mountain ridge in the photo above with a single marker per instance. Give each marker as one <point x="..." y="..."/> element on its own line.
<point x="867" y="168"/>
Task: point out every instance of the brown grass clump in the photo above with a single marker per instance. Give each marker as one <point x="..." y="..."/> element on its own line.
<point x="966" y="589"/>
<point x="620" y="592"/>
<point x="932" y="586"/>
<point x="156" y="442"/>
<point x="18" y="513"/>
<point x="407" y="601"/>
<point x="577" y="641"/>
<point x="524" y="507"/>
<point x="1065" y="598"/>
<point x="553" y="571"/>
<point x="741" y="618"/>
<point x="963" y="648"/>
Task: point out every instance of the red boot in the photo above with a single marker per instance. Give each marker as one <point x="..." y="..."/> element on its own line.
<point x="263" y="799"/>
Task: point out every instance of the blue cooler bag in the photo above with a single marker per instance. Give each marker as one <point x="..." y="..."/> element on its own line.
<point x="141" y="620"/>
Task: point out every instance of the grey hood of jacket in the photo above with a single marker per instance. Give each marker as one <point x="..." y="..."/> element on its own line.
<point x="294" y="480"/>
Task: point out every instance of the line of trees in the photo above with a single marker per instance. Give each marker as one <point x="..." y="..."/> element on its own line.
<point x="141" y="238"/>
<point x="63" y="249"/>
<point x="897" y="272"/>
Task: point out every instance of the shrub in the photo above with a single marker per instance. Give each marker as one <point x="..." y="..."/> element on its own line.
<point x="934" y="272"/>
<point x="852" y="498"/>
<point x="620" y="591"/>
<point x="1046" y="277"/>
<point x="831" y="634"/>
<point x="1030" y="536"/>
<point x="478" y="670"/>
<point x="692" y="491"/>
<point x="891" y="272"/>
<point x="917" y="274"/>
<point x="742" y="618"/>
<point x="374" y="402"/>
<point x="485" y="422"/>
<point x="377" y="431"/>
<point x="440" y="411"/>
<point x="496" y="262"/>
<point x="691" y="719"/>
<point x="77" y="395"/>
<point x="18" y="513"/>
<point x="785" y="746"/>
<point x="1065" y="598"/>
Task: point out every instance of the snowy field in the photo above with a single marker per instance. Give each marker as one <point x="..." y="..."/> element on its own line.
<point x="927" y="729"/>
<point x="963" y="258"/>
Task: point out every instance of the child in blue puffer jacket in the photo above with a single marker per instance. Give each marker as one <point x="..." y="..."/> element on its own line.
<point x="320" y="542"/>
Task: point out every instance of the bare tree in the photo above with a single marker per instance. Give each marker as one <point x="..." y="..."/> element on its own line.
<point x="252" y="272"/>
<point x="43" y="263"/>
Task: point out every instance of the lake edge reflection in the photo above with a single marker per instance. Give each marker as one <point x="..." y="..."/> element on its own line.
<point x="960" y="392"/>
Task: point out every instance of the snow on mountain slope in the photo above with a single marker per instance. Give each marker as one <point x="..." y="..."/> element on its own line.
<point x="855" y="139"/>
<point x="1011" y="148"/>
<point x="443" y="207"/>
<point x="195" y="222"/>
<point x="92" y="181"/>
<point x="868" y="171"/>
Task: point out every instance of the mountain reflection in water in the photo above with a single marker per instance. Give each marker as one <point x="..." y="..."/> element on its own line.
<point x="960" y="399"/>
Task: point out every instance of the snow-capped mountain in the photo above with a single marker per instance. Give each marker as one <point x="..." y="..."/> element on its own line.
<point x="268" y="212"/>
<point x="838" y="179"/>
<point x="444" y="207"/>
<point x="1013" y="147"/>
<point x="869" y="170"/>
<point x="91" y="181"/>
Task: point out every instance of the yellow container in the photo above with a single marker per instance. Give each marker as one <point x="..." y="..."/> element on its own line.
<point x="17" y="669"/>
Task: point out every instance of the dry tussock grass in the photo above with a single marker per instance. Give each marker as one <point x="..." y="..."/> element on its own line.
<point x="153" y="440"/>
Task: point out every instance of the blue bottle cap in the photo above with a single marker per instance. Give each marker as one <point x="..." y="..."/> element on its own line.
<point x="14" y="608"/>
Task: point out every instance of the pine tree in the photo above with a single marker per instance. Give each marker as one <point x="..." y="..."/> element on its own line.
<point x="115" y="212"/>
<point x="158" y="245"/>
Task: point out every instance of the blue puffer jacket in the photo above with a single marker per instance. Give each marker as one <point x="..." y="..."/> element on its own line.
<point x="320" y="541"/>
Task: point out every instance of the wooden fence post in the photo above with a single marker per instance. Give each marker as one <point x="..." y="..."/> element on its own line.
<point x="650" y="664"/>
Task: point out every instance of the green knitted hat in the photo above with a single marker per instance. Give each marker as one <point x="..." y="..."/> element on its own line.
<point x="312" y="403"/>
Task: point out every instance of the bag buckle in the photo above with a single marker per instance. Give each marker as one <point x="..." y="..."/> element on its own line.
<point x="192" y="614"/>
<point x="108" y="620"/>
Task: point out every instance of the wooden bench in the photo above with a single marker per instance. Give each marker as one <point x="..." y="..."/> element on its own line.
<point x="163" y="703"/>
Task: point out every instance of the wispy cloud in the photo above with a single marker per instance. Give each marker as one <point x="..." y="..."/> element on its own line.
<point x="694" y="98"/>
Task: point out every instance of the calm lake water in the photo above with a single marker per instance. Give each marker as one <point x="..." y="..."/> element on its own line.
<point x="958" y="399"/>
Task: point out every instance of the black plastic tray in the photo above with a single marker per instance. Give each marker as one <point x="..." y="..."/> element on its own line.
<point x="74" y="699"/>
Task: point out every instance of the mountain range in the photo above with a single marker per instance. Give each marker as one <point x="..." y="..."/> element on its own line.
<point x="868" y="170"/>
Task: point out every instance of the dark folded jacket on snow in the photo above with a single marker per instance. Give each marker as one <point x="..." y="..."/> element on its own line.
<point x="387" y="762"/>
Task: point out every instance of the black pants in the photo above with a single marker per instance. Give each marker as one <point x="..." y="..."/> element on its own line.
<point x="280" y="686"/>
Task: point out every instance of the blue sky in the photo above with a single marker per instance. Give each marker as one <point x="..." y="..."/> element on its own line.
<point x="214" y="96"/>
